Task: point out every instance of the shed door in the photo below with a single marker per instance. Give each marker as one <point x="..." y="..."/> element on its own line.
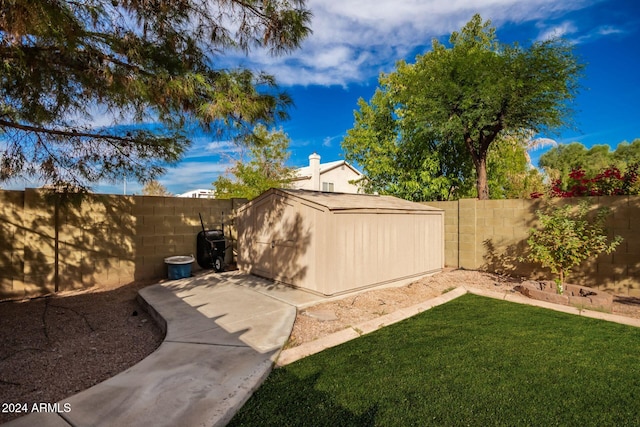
<point x="275" y="240"/>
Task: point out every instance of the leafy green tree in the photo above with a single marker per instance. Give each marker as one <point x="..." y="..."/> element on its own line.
<point x="567" y="237"/>
<point x="559" y="161"/>
<point x="400" y="158"/>
<point x="476" y="89"/>
<point x="135" y="61"/>
<point x="627" y="153"/>
<point x="509" y="172"/>
<point x="263" y="168"/>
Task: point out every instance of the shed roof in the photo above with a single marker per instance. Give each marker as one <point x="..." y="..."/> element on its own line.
<point x="353" y="202"/>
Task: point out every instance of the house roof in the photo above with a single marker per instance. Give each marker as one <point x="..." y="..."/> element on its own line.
<point x="305" y="172"/>
<point x="347" y="202"/>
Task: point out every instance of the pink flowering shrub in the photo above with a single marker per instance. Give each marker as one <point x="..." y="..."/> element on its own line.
<point x="609" y="182"/>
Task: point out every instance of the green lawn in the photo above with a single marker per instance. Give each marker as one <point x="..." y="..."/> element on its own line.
<point x="473" y="361"/>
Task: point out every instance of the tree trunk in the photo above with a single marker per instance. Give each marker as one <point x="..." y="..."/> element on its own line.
<point x="481" y="181"/>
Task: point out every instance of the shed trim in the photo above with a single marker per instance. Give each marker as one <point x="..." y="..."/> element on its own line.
<point x="345" y="202"/>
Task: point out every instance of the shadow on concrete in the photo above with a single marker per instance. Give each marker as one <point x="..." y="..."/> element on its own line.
<point x="219" y="346"/>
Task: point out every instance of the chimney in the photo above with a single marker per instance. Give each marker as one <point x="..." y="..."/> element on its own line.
<point x="314" y="165"/>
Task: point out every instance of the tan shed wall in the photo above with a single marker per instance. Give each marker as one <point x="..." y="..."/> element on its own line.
<point x="301" y="244"/>
<point x="372" y="249"/>
<point x="276" y="240"/>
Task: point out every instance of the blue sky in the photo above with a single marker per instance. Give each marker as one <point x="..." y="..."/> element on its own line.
<point x="354" y="40"/>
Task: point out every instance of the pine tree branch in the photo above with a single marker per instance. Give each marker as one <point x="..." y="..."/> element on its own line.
<point x="65" y="133"/>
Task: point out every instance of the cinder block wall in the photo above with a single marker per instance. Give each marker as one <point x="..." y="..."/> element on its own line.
<point x="48" y="245"/>
<point x="491" y="235"/>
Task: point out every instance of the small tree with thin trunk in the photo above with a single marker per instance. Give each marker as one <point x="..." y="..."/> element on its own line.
<point x="567" y="237"/>
<point x="263" y="168"/>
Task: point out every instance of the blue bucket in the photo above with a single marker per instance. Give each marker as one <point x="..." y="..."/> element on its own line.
<point x="179" y="267"/>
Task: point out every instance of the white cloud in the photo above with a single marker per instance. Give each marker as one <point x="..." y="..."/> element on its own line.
<point x="561" y="30"/>
<point x="608" y="30"/>
<point x="192" y="175"/>
<point x="354" y="40"/>
<point x="220" y="147"/>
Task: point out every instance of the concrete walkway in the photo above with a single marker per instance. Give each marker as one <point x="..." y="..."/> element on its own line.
<point x="223" y="335"/>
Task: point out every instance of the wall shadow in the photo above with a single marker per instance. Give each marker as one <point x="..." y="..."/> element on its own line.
<point x="618" y="272"/>
<point x="274" y="240"/>
<point x="53" y="242"/>
<point x="506" y="260"/>
<point x="59" y="242"/>
<point x="11" y="240"/>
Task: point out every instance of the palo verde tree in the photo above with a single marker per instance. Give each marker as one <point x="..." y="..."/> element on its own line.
<point x="64" y="63"/>
<point x="401" y="158"/>
<point x="262" y="168"/>
<point x="470" y="92"/>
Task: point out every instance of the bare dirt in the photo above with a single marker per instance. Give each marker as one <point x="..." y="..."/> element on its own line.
<point x="56" y="346"/>
<point x="321" y="320"/>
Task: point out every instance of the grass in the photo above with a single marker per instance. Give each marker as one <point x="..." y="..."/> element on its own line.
<point x="473" y="361"/>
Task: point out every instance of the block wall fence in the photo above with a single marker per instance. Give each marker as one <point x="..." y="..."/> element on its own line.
<point x="491" y="235"/>
<point x="49" y="245"/>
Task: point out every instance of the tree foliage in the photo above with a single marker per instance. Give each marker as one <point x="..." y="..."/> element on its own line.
<point x="155" y="188"/>
<point x="559" y="162"/>
<point x="609" y="182"/>
<point x="568" y="236"/>
<point x="510" y="174"/>
<point x="263" y="168"/>
<point x="402" y="159"/>
<point x="134" y="61"/>
<point x="462" y="98"/>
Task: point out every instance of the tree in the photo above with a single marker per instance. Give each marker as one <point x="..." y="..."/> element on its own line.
<point x="400" y="158"/>
<point x="262" y="169"/>
<point x="510" y="174"/>
<point x="476" y="89"/>
<point x="567" y="237"/>
<point x="627" y="153"/>
<point x="136" y="61"/>
<point x="154" y="188"/>
<point x="609" y="182"/>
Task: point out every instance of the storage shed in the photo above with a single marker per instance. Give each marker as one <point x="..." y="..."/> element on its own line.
<point x="332" y="243"/>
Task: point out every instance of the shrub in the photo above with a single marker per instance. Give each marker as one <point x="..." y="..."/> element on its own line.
<point x="567" y="237"/>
